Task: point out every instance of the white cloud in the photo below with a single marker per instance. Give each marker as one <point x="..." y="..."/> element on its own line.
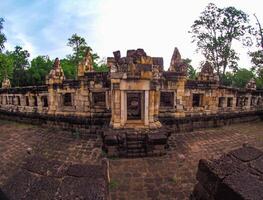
<point x="109" y="25"/>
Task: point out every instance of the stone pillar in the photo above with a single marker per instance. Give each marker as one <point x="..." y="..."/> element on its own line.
<point x="151" y="106"/>
<point x="146" y="107"/>
<point x="123" y="108"/>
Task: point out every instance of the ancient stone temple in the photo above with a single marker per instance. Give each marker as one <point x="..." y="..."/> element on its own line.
<point x="136" y="93"/>
<point x="135" y="89"/>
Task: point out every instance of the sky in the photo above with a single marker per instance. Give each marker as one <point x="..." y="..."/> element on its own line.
<point x="43" y="26"/>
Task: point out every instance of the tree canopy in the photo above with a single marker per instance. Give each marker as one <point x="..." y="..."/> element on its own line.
<point x="214" y="32"/>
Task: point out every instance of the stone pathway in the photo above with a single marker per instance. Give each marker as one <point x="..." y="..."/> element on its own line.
<point x="18" y="140"/>
<point x="173" y="175"/>
<point x="168" y="177"/>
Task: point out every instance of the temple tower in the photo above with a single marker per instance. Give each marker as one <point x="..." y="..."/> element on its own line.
<point x="135" y="89"/>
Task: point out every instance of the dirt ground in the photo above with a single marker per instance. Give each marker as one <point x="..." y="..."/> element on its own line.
<point x="168" y="177"/>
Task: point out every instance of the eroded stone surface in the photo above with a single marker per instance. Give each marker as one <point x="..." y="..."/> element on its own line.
<point x="80" y="182"/>
<point x="231" y="176"/>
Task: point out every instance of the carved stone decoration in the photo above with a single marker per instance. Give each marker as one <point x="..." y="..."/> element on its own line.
<point x="86" y="65"/>
<point x="207" y="73"/>
<point x="176" y="64"/>
<point x="176" y="58"/>
<point x="207" y="69"/>
<point x="56" y="75"/>
<point x="156" y="72"/>
<point x="251" y="85"/>
<point x="6" y="83"/>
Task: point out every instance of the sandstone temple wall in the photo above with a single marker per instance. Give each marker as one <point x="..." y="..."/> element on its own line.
<point x="136" y="93"/>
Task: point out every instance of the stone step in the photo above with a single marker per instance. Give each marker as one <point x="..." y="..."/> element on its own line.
<point x="135" y="147"/>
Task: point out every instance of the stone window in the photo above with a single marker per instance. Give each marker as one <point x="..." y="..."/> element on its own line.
<point x="35" y="101"/>
<point x="67" y="99"/>
<point x="27" y="101"/>
<point x="44" y="101"/>
<point x="6" y="100"/>
<point x="221" y="102"/>
<point x="167" y="99"/>
<point x="197" y="100"/>
<point x="230" y="102"/>
<point x="99" y="98"/>
<point x="18" y="101"/>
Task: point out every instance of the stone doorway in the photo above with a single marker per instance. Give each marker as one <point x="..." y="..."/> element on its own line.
<point x="134" y="106"/>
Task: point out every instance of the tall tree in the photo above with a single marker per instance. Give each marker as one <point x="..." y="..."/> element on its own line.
<point x="20" y="64"/>
<point x="214" y="33"/>
<point x="79" y="47"/>
<point x="2" y="36"/>
<point x="257" y="56"/>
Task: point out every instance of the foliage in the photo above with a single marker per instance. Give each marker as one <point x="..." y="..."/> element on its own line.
<point x="241" y="77"/>
<point x="227" y="79"/>
<point x="39" y="69"/>
<point x="80" y="48"/>
<point x="2" y="36"/>
<point x="20" y="65"/>
<point x="214" y="33"/>
<point x="6" y="66"/>
<point x="113" y="184"/>
<point x="257" y="56"/>
<point x="191" y="72"/>
<point x="68" y="67"/>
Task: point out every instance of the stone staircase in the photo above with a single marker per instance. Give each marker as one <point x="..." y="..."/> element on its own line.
<point x="132" y="143"/>
<point x="135" y="145"/>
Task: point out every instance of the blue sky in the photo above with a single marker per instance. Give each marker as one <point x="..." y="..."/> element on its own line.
<point x="43" y="26"/>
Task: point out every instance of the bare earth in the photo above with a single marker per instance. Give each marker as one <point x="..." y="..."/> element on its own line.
<point x="168" y="177"/>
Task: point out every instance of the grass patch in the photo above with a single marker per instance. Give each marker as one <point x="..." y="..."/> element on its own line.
<point x="113" y="184"/>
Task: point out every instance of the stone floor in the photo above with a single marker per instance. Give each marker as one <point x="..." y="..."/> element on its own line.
<point x="168" y="177"/>
<point x="18" y="140"/>
<point x="173" y="175"/>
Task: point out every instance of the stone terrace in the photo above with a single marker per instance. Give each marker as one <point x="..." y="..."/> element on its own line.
<point x="169" y="177"/>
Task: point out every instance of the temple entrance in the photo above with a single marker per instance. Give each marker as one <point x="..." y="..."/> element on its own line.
<point x="134" y="106"/>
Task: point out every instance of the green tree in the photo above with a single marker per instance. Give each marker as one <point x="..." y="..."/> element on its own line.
<point x="79" y="47"/>
<point x="241" y="77"/>
<point x="257" y="56"/>
<point x="227" y="79"/>
<point x="2" y="36"/>
<point x="6" y="67"/>
<point x="191" y="71"/>
<point x="214" y="33"/>
<point x="38" y="70"/>
<point x="20" y="65"/>
<point x="68" y="67"/>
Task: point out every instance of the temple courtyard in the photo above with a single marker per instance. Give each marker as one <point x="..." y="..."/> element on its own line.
<point x="171" y="176"/>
